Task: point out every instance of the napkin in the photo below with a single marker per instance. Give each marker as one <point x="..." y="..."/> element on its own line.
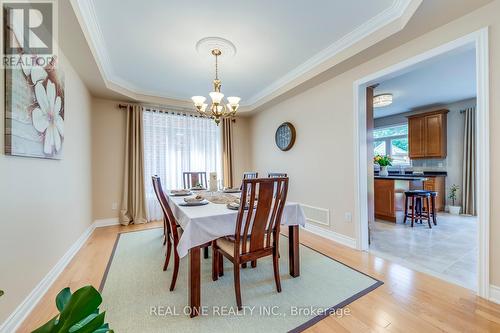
<point x="197" y="198"/>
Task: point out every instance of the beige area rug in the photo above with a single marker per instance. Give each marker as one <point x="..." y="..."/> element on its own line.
<point x="137" y="299"/>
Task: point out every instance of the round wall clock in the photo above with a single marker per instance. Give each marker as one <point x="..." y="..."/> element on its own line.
<point x="285" y="136"/>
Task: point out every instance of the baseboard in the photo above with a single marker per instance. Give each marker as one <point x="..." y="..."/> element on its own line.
<point x="331" y="235"/>
<point x="106" y="222"/>
<point x="495" y="294"/>
<point x="23" y="310"/>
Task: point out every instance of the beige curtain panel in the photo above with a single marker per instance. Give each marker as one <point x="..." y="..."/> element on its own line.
<point x="469" y="167"/>
<point x="133" y="208"/>
<point x="227" y="152"/>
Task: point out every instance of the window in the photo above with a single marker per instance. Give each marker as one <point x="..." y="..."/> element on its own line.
<point x="392" y="141"/>
<point x="174" y="144"/>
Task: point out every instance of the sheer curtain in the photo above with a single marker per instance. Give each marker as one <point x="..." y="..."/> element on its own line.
<point x="176" y="143"/>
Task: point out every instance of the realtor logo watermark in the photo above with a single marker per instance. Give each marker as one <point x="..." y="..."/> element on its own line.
<point x="30" y="33"/>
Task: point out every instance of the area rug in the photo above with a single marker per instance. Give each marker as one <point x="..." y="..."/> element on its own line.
<point x="136" y="297"/>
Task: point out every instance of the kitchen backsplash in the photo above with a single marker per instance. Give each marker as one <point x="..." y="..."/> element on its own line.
<point x="429" y="165"/>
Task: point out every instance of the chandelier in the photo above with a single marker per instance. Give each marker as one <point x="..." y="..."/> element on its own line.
<point x="382" y="100"/>
<point x="217" y="109"/>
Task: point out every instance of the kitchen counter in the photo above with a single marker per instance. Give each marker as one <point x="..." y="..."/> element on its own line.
<point x="403" y="177"/>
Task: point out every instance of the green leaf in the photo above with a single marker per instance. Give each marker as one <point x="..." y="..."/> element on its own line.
<point x="89" y="324"/>
<point x="62" y="299"/>
<point x="81" y="304"/>
<point x="103" y="329"/>
<point x="1" y="292"/>
<point x="49" y="327"/>
<point x="79" y="313"/>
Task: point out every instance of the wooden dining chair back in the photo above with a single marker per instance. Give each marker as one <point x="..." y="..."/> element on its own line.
<point x="276" y="175"/>
<point x="257" y="228"/>
<point x="172" y="232"/>
<point x="249" y="175"/>
<point x="191" y="179"/>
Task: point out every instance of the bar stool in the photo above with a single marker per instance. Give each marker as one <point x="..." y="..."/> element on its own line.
<point x="432" y="208"/>
<point x="417" y="210"/>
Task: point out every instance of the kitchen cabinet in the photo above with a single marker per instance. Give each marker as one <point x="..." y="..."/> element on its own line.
<point x="427" y="135"/>
<point x="384" y="194"/>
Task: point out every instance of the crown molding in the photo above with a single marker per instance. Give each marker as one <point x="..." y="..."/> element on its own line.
<point x="87" y="18"/>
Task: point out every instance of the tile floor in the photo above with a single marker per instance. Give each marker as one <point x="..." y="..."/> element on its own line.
<point x="448" y="250"/>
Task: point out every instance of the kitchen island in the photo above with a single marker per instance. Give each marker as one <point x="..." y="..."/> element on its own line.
<point x="389" y="194"/>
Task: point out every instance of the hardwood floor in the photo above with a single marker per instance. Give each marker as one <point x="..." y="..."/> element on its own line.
<point x="409" y="301"/>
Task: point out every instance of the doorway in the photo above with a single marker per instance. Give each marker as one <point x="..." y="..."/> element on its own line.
<point x="364" y="199"/>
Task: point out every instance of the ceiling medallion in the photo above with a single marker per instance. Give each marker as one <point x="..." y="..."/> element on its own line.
<point x="217" y="109"/>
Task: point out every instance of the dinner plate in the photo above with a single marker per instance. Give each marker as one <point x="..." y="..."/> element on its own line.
<point x="194" y="203"/>
<point x="181" y="194"/>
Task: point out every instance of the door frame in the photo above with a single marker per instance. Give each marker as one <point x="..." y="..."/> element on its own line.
<point x="479" y="39"/>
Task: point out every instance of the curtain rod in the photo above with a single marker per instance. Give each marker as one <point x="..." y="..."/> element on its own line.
<point x="179" y="111"/>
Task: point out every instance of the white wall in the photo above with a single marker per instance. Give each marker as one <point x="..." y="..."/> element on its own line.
<point x="45" y="205"/>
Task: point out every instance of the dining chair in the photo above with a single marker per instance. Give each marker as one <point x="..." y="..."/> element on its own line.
<point x="250" y="175"/>
<point x="276" y="175"/>
<point x="166" y="227"/>
<point x="192" y="178"/>
<point x="172" y="232"/>
<point x="257" y="230"/>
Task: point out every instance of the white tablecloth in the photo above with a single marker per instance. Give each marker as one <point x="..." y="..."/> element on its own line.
<point x="202" y="224"/>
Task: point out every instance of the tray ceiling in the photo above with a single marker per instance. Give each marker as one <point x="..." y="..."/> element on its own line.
<point x="148" y="48"/>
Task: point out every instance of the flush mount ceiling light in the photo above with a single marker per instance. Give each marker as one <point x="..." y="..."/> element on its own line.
<point x="217" y="110"/>
<point x="382" y="100"/>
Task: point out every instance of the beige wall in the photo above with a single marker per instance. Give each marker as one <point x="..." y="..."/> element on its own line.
<point x="242" y="158"/>
<point x="320" y="165"/>
<point x="108" y="137"/>
<point x="45" y="204"/>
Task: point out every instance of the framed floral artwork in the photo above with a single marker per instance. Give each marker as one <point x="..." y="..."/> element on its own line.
<point x="34" y="110"/>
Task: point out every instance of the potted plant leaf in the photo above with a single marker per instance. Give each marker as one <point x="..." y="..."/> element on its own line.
<point x="454" y="210"/>
<point x="79" y="312"/>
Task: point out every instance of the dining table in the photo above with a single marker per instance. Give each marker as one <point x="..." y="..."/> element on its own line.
<point x="205" y="223"/>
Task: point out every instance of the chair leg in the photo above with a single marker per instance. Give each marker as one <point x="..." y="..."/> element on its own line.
<point x="205" y="252"/>
<point x="169" y="250"/>
<point x="221" y="264"/>
<point x="428" y="212"/>
<point x="412" y="211"/>
<point x="165" y="233"/>
<point x="433" y="202"/>
<point x="254" y="263"/>
<point x="237" y="285"/>
<point x="406" y="209"/>
<point x="215" y="263"/>
<point x="176" y="271"/>
<point x="276" y="268"/>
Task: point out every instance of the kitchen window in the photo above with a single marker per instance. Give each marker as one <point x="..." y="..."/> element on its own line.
<point x="392" y="141"/>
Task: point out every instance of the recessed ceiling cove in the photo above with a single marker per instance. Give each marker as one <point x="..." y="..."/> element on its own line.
<point x="150" y="47"/>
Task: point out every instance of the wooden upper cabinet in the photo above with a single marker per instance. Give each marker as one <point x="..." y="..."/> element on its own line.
<point x="416" y="137"/>
<point x="427" y="135"/>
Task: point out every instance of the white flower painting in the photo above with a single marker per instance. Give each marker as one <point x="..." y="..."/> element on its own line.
<point x="35" y="111"/>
